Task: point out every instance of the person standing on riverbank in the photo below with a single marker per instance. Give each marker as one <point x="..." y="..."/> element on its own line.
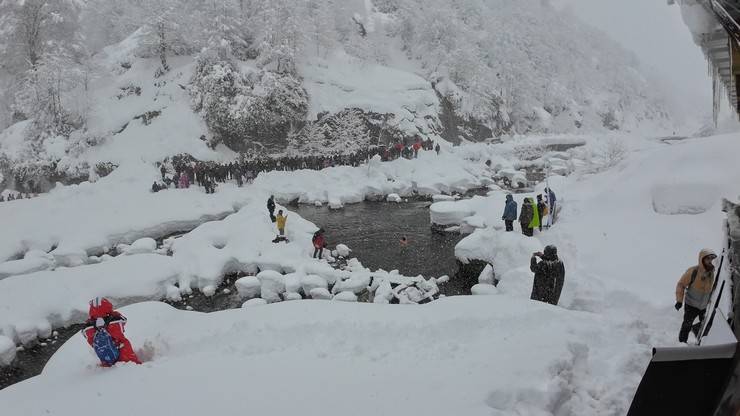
<point x="526" y="216"/>
<point x="271" y="207"/>
<point x="281" y="219"/>
<point x="541" y="209"/>
<point x="551" y="199"/>
<point x="319" y="242"/>
<point x="509" y="213"/>
<point x="549" y="276"/>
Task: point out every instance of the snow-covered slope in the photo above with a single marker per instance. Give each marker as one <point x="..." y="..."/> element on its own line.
<point x="440" y="70"/>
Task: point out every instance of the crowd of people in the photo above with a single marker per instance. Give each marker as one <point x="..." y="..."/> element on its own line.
<point x="537" y="214"/>
<point x="13" y="197"/>
<point x="185" y="172"/>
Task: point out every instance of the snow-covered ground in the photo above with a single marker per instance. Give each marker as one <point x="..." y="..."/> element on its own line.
<point x="635" y="214"/>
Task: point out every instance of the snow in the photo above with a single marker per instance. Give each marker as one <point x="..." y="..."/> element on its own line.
<point x="320" y="293"/>
<point x="343" y="250"/>
<point x="248" y="287"/>
<point x="60" y="297"/>
<point x="685" y="198"/>
<point x="484" y="289"/>
<point x="487" y="276"/>
<point x="343" y="81"/>
<point x="345" y="297"/>
<point x="585" y="356"/>
<point x="142" y="245"/>
<point x="449" y="213"/>
<point x="330" y="343"/>
<point x="7" y="351"/>
<point x="394" y="198"/>
<point x="25" y="266"/>
<point x="272" y="285"/>
<point x="254" y="302"/>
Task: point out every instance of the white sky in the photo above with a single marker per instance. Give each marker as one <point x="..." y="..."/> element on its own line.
<point x="656" y="33"/>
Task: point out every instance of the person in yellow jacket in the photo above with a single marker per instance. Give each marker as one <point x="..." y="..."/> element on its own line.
<point x="694" y="291"/>
<point x="280" y="220"/>
<point x="536" y="218"/>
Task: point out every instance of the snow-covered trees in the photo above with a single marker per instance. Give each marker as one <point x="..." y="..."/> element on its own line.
<point x="45" y="62"/>
<point x="243" y="109"/>
<point x="344" y="132"/>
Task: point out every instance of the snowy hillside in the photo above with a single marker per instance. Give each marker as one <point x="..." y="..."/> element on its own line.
<point x="108" y="82"/>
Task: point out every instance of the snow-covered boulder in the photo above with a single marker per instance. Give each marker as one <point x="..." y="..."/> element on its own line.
<point x="472" y="223"/>
<point x="292" y="282"/>
<point x="442" y="198"/>
<point x="292" y="296"/>
<point x="345" y="297"/>
<point x="505" y="251"/>
<point x="7" y="351"/>
<point x="248" y="287"/>
<point x="484" y="289"/>
<point x="313" y="281"/>
<point x="449" y="213"/>
<point x="254" y="302"/>
<point x="394" y="198"/>
<point x="320" y="293"/>
<point x="343" y="250"/>
<point x="173" y="293"/>
<point x="486" y="276"/>
<point x="355" y="284"/>
<point x="209" y="290"/>
<point x="26" y="333"/>
<point x="335" y="202"/>
<point x="272" y="285"/>
<point x="142" y="245"/>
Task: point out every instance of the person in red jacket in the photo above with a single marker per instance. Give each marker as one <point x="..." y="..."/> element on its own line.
<point x="318" y="243"/>
<point x="101" y="313"/>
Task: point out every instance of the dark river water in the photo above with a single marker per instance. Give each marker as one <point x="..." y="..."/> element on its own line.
<point x="373" y="230"/>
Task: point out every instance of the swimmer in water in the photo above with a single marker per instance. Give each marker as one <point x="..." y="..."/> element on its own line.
<point x="404" y="242"/>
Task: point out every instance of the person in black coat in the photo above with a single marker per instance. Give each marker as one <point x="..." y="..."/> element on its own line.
<point x="271" y="207"/>
<point x="549" y="276"/>
<point x="525" y="217"/>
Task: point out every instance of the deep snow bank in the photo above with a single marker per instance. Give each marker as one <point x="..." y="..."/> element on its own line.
<point x="334" y="352"/>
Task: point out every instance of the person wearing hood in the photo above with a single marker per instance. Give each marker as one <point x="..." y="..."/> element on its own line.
<point x="549" y="276"/>
<point x="693" y="292"/>
<point x="526" y="216"/>
<point x="102" y="318"/>
<point x="509" y="213"/>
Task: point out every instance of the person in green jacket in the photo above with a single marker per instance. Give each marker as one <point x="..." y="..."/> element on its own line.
<point x="535" y="223"/>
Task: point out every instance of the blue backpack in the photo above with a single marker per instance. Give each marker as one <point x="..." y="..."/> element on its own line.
<point x="104" y="346"/>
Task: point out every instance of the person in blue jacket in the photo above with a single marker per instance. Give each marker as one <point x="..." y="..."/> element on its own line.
<point x="509" y="213"/>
